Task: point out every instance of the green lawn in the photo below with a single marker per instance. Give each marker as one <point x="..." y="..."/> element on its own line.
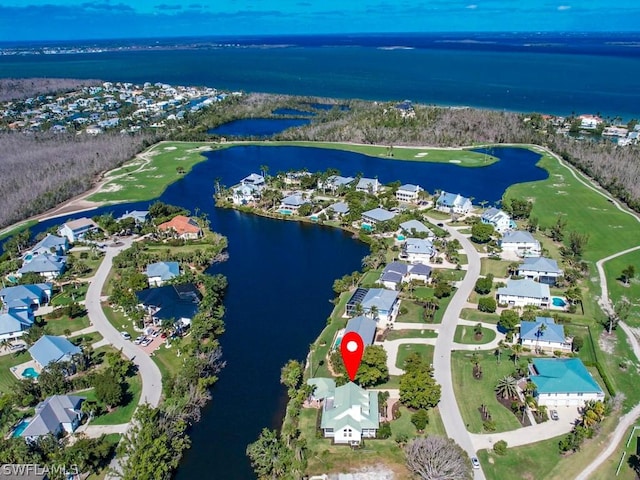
<point x="478" y="316"/>
<point x="617" y="288"/>
<point x="465" y="334"/>
<point x="87" y="338"/>
<point x="472" y="393"/>
<point x="413" y="313"/>
<point x="371" y="277"/>
<point x="119" y="321"/>
<point x="406" y="349"/>
<point x="12" y="230"/>
<point x="422" y="293"/>
<point x="57" y="326"/>
<point x="608" y="469"/>
<point x="167" y="361"/>
<point x="497" y="267"/>
<point x="124" y="413"/>
<point x="451" y="275"/>
<point x="7" y="380"/>
<point x="444" y="303"/>
<point x="70" y="294"/>
<point x="397" y="334"/>
<point x="132" y="183"/>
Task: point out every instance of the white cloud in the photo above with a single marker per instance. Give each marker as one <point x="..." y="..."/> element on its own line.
<point x="562" y="8"/>
<point x="472" y="6"/>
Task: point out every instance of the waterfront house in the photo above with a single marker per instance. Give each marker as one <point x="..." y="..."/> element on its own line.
<point x="51" y="244"/>
<point x="183" y="227"/>
<point x="245" y="193"/>
<point x="322" y="388"/>
<point x="47" y="265"/>
<point x="293" y="202"/>
<point x="590" y="122"/>
<point x="334" y="182"/>
<point x="408" y="193"/>
<point x="26" y="297"/>
<point x="138" y="216"/>
<point x="377" y="215"/>
<point x="540" y="269"/>
<point x="417" y="250"/>
<point x="54" y="349"/>
<point x="519" y="293"/>
<point x="563" y="382"/>
<point x="15" y="323"/>
<point x="499" y="220"/>
<point x="385" y="301"/>
<point x="453" y="203"/>
<point x="254" y="179"/>
<point x="76" y="229"/>
<point x="363" y="326"/>
<point x="413" y="227"/>
<point x="178" y="303"/>
<point x="350" y="415"/>
<point x="53" y="416"/>
<point x="368" y="185"/>
<point x="339" y="208"/>
<point x="160" y="272"/>
<point x="544" y="334"/>
<point x="521" y="243"/>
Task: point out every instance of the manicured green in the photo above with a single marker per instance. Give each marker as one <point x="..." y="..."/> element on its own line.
<point x="124" y="413"/>
<point x="167" y="360"/>
<point x="472" y="393"/>
<point x="465" y="334"/>
<point x="7" y="379"/>
<point x="59" y="325"/>
<point x="138" y="180"/>
<point x="406" y="349"/>
<point x="534" y="461"/>
<point x="617" y="288"/>
<point x="397" y="334"/>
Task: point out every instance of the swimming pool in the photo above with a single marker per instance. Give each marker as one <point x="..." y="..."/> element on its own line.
<point x="20" y="428"/>
<point x="558" y="302"/>
<point x="366" y="227"/>
<point x="400" y="237"/>
<point x="30" y="372"/>
<point x="285" y="212"/>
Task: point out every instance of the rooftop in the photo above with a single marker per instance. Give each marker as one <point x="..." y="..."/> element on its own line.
<point x="518" y="236"/>
<point x="551" y="332"/>
<point x="363" y="326"/>
<point x="415" y="225"/>
<point x="50" y="348"/>
<point x="525" y="288"/>
<point x="80" y="223"/>
<point x="164" y="270"/>
<point x="563" y="375"/>
<point x="379" y="214"/>
<point x="540" y="264"/>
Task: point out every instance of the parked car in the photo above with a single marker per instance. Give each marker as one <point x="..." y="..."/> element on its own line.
<point x="475" y="462"/>
<point x="146" y="342"/>
<point x="155" y="333"/>
<point x="19" y="346"/>
<point x="139" y="340"/>
<point x="125" y="335"/>
<point x="554" y="415"/>
<point x="442" y="225"/>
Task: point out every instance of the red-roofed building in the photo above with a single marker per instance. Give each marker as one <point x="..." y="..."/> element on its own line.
<point x="184" y="227"/>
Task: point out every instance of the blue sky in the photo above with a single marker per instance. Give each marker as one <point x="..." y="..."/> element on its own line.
<point x="83" y="19"/>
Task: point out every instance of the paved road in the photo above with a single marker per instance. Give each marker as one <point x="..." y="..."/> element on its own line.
<point x="149" y="371"/>
<point x="451" y="417"/>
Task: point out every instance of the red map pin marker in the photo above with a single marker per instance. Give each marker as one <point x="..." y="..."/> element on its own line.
<point x="352" y="348"/>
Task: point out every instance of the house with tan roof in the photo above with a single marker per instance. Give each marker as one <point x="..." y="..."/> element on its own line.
<point x="76" y="229"/>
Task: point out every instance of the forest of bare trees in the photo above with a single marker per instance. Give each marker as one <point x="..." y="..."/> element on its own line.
<point x="19" y="88"/>
<point x="40" y="171"/>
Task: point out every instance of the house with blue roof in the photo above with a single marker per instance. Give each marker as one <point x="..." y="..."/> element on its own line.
<point x="417" y="250"/>
<point x="293" y="202"/>
<point x="334" y="182"/>
<point x="396" y="273"/>
<point x="540" y="269"/>
<point x="350" y="415"/>
<point x="138" y="216"/>
<point x="413" y="227"/>
<point x="563" y="382"/>
<point x="15" y="323"/>
<point x="520" y="293"/>
<point x="54" y="416"/>
<point x="47" y="265"/>
<point x="377" y="215"/>
<point x="453" y="203"/>
<point x="23" y="297"/>
<point x="160" y="272"/>
<point x="50" y="349"/>
<point x="408" y="193"/>
<point x="363" y="326"/>
<point x="368" y="185"/>
<point x="322" y="388"/>
<point x="521" y="243"/>
<point x="385" y="301"/>
<point x="339" y="208"/>
<point x="498" y="219"/>
<point x="544" y="334"/>
<point x="51" y="244"/>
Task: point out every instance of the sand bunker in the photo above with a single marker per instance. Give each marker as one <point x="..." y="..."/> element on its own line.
<point x="421" y="154"/>
<point x="170" y="148"/>
<point x="455" y="161"/>
<point x="112" y="187"/>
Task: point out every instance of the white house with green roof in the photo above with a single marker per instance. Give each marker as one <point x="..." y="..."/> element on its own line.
<point x="563" y="382"/>
<point x="350" y="415"/>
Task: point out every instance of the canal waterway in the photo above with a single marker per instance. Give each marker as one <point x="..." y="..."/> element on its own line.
<point x="280" y="277"/>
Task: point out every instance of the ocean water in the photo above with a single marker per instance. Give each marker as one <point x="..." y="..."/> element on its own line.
<point x="541" y="73"/>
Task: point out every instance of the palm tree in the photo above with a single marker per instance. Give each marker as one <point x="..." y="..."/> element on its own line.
<point x="373" y="311"/>
<point x="513" y="267"/>
<point x="540" y="332"/>
<point x="517" y="350"/>
<point x="507" y="387"/>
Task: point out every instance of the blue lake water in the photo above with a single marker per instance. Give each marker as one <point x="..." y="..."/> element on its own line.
<point x="292" y="111"/>
<point x="257" y="127"/>
<point x="280" y="277"/>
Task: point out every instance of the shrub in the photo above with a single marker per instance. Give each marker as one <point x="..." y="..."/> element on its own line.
<point x="420" y="419"/>
<point x="404" y="310"/>
<point x="500" y="447"/>
<point x="84" y="255"/>
<point x="402" y="438"/>
<point x="487" y="304"/>
<point x="384" y="431"/>
<point x="489" y="426"/>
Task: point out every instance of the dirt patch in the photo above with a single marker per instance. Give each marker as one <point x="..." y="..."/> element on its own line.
<point x="607" y="342"/>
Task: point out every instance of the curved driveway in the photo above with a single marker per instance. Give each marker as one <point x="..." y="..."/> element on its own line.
<point x="149" y="371"/>
<point x="451" y="417"/>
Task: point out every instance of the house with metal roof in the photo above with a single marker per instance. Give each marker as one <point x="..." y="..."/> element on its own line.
<point x="385" y="301"/>
<point x="350" y="415"/>
<point x="50" y="348"/>
<point x="363" y="326"/>
<point x="293" y="202"/>
<point x="396" y="273"/>
<point x="340" y="208"/>
<point x="322" y="388"/>
<point x="408" y="193"/>
<point x="51" y="244"/>
<point x="544" y="334"/>
<point x="377" y="215"/>
<point x="244" y="194"/>
<point x="368" y="185"/>
<point x="334" y="182"/>
<point x="178" y="303"/>
<point x="54" y="416"/>
<point x="15" y="323"/>
<point x="138" y="216"/>
<point x="417" y="250"/>
<point x="26" y="296"/>
<point x="521" y="243"/>
<point x="540" y="269"/>
<point x="498" y="219"/>
<point x="563" y="382"/>
<point x="160" y="272"/>
<point x="412" y="227"/>
<point x="47" y="265"/>
<point x="453" y="203"/>
<point x="76" y="229"/>
<point x="519" y="293"/>
<point x="255" y="180"/>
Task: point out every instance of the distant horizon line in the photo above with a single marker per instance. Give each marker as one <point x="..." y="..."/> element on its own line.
<point x="484" y="33"/>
